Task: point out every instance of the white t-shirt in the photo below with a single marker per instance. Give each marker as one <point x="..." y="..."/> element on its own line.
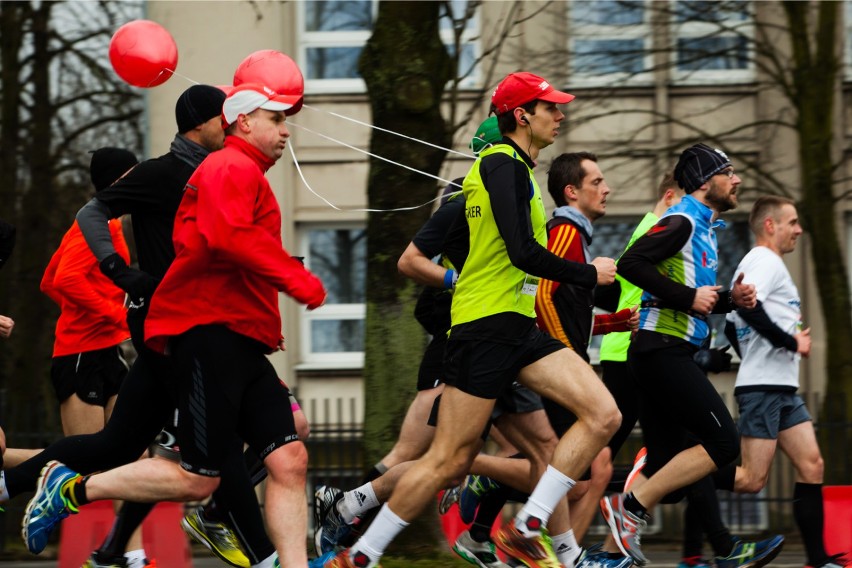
<point x="763" y="364"/>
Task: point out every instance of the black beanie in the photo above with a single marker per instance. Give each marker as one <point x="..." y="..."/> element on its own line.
<point x="697" y="164"/>
<point x="108" y="164"/>
<point x="197" y="105"/>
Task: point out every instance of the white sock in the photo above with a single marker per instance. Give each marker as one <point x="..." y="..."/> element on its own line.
<point x="566" y="548"/>
<point x="4" y="493"/>
<point x="268" y="562"/>
<point x="379" y="535"/>
<point x="552" y="487"/>
<point x="135" y="558"/>
<point x="357" y="502"/>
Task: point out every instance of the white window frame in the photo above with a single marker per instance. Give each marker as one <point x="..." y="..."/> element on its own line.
<point x="308" y="40"/>
<point x="310" y="359"/>
<point x="847" y="38"/>
<point x="584" y="31"/>
<point x="697" y="30"/>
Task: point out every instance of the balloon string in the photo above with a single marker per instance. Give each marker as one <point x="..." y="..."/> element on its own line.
<point x="373" y="126"/>
<point x="333" y="206"/>
<point x="173" y="72"/>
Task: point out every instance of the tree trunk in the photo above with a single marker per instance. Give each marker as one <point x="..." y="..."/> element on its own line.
<point x="815" y="79"/>
<point x="406" y="67"/>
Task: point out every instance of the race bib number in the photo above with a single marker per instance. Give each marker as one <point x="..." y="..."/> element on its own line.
<point x="530" y="285"/>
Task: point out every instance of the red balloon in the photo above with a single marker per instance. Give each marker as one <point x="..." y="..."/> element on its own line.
<point x="143" y="53"/>
<point x="272" y="69"/>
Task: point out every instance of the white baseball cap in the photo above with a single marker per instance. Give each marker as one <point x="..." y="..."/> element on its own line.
<point x="249" y="97"/>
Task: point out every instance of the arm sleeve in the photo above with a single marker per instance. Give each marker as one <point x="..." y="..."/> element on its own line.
<point x="430" y="238"/>
<point x="7" y="241"/>
<point x="46" y="285"/>
<point x="225" y="219"/>
<point x="564" y="241"/>
<point x="508" y="184"/>
<point x="606" y="297"/>
<point x="72" y="283"/>
<point x="662" y="241"/>
<point x="731" y="334"/>
<point x="93" y="219"/>
<point x="608" y="323"/>
<point x="759" y="320"/>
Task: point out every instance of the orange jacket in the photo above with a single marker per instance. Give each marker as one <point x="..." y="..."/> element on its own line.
<point x="93" y="313"/>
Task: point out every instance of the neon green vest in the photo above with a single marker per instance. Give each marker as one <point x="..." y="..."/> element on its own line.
<point x="489" y="283"/>
<point x="614" y="345"/>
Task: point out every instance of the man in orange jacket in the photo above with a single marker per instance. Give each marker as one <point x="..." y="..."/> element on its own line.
<point x="88" y="367"/>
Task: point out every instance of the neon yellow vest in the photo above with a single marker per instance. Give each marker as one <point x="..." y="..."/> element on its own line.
<point x="489" y="284"/>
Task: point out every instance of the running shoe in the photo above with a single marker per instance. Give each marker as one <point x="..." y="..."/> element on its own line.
<point x="694" y="562"/>
<point x="449" y="497"/>
<point x="482" y="554"/>
<point x="218" y="537"/>
<point x="625" y="527"/>
<point x="638" y="465"/>
<point x="317" y="562"/>
<point x="752" y="554"/>
<point x="100" y="560"/>
<point x="600" y="559"/>
<point x="48" y="506"/>
<point x="534" y="551"/>
<point x="833" y="561"/>
<point x="343" y="560"/>
<point x="475" y="489"/>
<point x="329" y="526"/>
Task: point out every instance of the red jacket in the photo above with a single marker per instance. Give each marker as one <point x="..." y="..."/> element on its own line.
<point x="93" y="313"/>
<point x="229" y="264"/>
<point x="556" y="318"/>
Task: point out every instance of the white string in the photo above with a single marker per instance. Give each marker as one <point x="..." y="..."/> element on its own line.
<point x="333" y="206"/>
<point x="373" y="126"/>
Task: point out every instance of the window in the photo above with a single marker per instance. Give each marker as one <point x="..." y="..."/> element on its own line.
<point x="333" y="335"/>
<point x="610" y="41"/>
<point x="847" y="21"/>
<point x="335" y="31"/>
<point x="713" y="41"/>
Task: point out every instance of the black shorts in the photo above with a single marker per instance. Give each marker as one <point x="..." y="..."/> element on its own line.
<point x="229" y="393"/>
<point x="94" y="376"/>
<point x="517" y="399"/>
<point x="431" y="372"/>
<point x="485" y="368"/>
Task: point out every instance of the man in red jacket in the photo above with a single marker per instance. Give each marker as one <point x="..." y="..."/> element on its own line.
<point x="216" y="313"/>
<point x="87" y="366"/>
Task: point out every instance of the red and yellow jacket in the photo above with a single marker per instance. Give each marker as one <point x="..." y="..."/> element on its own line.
<point x="93" y="313"/>
<point x="566" y="311"/>
<point x="229" y="264"/>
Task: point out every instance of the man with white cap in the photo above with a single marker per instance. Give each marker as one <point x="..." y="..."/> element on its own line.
<point x="216" y="313"/>
<point x="494" y="339"/>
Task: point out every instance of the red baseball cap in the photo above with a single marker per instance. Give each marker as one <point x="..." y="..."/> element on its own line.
<point x="249" y="97"/>
<point x="520" y="88"/>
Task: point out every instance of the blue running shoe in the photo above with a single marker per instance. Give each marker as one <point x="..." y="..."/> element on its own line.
<point x="601" y="559"/>
<point x="330" y="528"/>
<point x="475" y="489"/>
<point x="47" y="507"/>
<point x="752" y="554"/>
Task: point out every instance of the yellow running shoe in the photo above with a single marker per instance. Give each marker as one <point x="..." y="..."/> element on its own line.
<point x="218" y="537"/>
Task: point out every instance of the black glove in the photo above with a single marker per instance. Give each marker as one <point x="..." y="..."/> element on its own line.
<point x="716" y="360"/>
<point x="138" y="285"/>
